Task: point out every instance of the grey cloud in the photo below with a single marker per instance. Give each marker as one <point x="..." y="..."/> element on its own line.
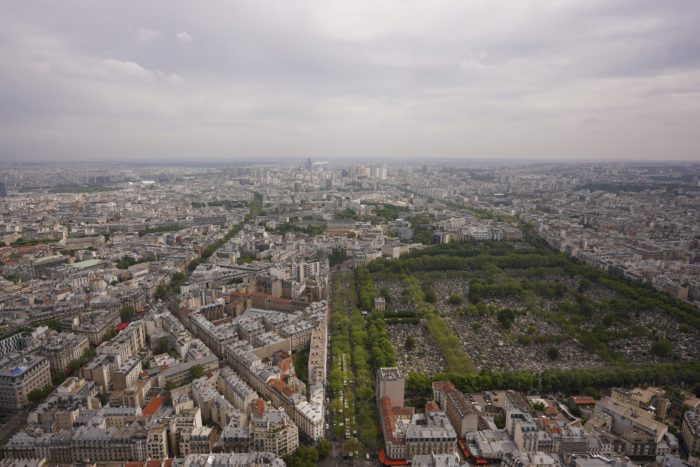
<point x="336" y="78"/>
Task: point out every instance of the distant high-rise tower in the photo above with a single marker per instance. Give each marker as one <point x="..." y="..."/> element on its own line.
<point x="308" y="165"/>
<point x="3" y="190"/>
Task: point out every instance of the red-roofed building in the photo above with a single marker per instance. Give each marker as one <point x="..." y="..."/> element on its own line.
<point x="583" y="401"/>
<point x="386" y="461"/>
<point x="551" y="411"/>
<point x="258" y="407"/>
<point x="281" y="388"/>
<point x="431" y="406"/>
<point x="284" y="365"/>
<point x="152" y="407"/>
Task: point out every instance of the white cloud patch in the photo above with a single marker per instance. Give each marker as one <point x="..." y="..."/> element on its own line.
<point x="184" y="37"/>
<point x="147" y="35"/>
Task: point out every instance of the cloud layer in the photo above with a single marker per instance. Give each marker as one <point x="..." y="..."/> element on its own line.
<point x="170" y="79"/>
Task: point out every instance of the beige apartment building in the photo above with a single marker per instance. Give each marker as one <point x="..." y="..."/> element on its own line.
<point x="271" y="430"/>
<point x="19" y="376"/>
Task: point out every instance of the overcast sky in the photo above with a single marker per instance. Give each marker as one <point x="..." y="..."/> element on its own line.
<point x="201" y="80"/>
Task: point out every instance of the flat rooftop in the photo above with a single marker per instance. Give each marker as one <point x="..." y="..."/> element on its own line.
<point x="90" y="263"/>
<point x="389" y="374"/>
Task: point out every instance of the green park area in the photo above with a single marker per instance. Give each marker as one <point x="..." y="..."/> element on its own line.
<point x="514" y="315"/>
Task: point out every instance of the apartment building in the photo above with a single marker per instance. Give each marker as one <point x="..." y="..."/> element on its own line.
<point x="640" y="433"/>
<point x="271" y="430"/>
<point x="181" y="374"/>
<point x="99" y="370"/>
<point x="252" y="459"/>
<point x="157" y="443"/>
<point x="85" y="444"/>
<point x="690" y="431"/>
<point x="95" y="325"/>
<point x="127" y="374"/>
<point x="19" y="376"/>
<point x="430" y="433"/>
<point x="460" y="412"/>
<point x="390" y="384"/>
<point x="201" y="440"/>
<point x="235" y="390"/>
<point x="62" y="348"/>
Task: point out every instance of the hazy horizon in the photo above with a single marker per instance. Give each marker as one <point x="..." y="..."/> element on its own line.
<point x="224" y="81"/>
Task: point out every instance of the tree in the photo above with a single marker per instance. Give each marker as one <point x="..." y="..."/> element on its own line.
<point x="410" y="344"/>
<point x="506" y="316"/>
<point x="127" y="261"/>
<point x="500" y="421"/>
<point x="177" y="280"/>
<point x="58" y="378"/>
<point x="193" y="265"/>
<point x="384" y="292"/>
<point x="246" y="258"/>
<point x="662" y="348"/>
<point x="300" y="360"/>
<point x="197" y="371"/>
<point x="323" y="448"/>
<point x="163" y="345"/>
<point x="127" y="314"/>
<point x="40" y="394"/>
<point x="161" y="291"/>
<point x="109" y="335"/>
<point x="74" y="365"/>
<point x="455" y="299"/>
<point x="55" y="325"/>
<point x="552" y="353"/>
<point x="178" y="277"/>
<point x="591" y="391"/>
<point x="169" y="386"/>
<point x="88" y="354"/>
<point x="574" y="409"/>
<point x="351" y="446"/>
<point x="304" y="456"/>
<point x="430" y="296"/>
<point x="336" y="256"/>
<point x="584" y="285"/>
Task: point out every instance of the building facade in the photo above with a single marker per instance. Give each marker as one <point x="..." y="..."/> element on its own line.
<point x="19" y="376"/>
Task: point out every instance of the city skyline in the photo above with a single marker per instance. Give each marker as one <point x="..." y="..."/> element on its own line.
<point x="314" y="313"/>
